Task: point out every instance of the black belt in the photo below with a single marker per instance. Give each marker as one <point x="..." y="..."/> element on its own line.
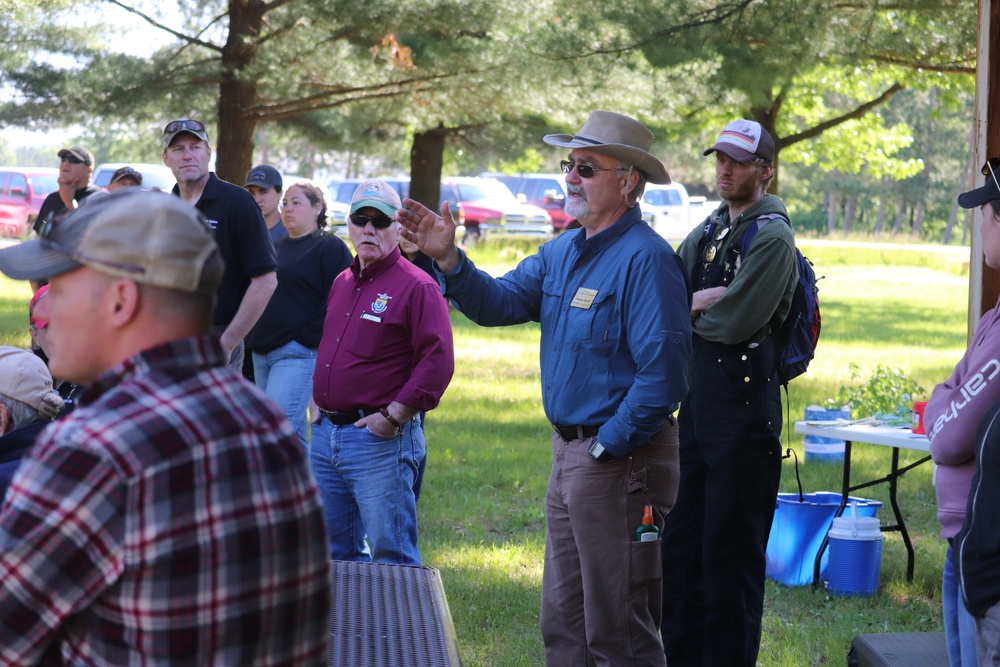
<point x="349" y="417"/>
<point x="568" y="433"/>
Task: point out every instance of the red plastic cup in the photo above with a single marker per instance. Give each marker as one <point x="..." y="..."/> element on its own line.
<point x="918" y="417"/>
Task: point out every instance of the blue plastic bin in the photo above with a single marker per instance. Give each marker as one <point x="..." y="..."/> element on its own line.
<point x="798" y="531"/>
<point x="817" y="448"/>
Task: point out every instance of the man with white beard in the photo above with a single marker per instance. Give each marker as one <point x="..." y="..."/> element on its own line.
<point x="614" y="307"/>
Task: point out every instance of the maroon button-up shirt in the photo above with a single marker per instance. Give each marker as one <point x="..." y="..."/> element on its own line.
<point x="386" y="337"/>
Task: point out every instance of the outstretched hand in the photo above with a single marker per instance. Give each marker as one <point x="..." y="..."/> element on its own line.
<point x="434" y="234"/>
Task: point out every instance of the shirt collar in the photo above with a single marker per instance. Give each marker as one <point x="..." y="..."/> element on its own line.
<point x="195" y="353"/>
<point x="606" y="237"/>
<point x="209" y="193"/>
<point x="375" y="268"/>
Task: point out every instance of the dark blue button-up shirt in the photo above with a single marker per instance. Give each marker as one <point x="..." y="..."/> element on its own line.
<point x="615" y="320"/>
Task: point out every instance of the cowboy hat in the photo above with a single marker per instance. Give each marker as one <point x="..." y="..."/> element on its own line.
<point x="618" y="136"/>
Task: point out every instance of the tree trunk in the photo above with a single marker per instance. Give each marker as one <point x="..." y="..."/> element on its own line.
<point x="968" y="176"/>
<point x="918" y="218"/>
<point x="426" y="160"/>
<point x="900" y="212"/>
<point x="849" y="211"/>
<point x="238" y="92"/>
<point x="831" y="213"/>
<point x="880" y="218"/>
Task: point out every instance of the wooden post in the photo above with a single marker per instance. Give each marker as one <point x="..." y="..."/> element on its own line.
<point x="984" y="282"/>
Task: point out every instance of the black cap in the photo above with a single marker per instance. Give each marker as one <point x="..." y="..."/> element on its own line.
<point x="264" y="176"/>
<point x="989" y="191"/>
<point x="126" y="172"/>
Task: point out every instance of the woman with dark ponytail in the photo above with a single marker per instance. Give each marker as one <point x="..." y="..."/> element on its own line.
<point x="285" y="338"/>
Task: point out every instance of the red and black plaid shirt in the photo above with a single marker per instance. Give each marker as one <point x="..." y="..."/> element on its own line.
<point x="170" y="519"/>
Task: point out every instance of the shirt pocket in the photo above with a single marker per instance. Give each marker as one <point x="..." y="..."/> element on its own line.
<point x="599" y="325"/>
<point x="369" y="338"/>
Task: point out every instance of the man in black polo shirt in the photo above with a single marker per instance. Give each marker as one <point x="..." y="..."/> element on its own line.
<point x="76" y="165"/>
<point x="240" y="232"/>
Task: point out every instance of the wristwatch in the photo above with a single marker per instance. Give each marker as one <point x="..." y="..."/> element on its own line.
<point x="598" y="453"/>
<point x="389" y="418"/>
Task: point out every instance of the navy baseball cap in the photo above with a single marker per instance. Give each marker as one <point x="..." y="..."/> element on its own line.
<point x="264" y="176"/>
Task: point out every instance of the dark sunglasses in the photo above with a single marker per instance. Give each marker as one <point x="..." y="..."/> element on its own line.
<point x="990" y="168"/>
<point x="379" y="221"/>
<point x="183" y="124"/>
<point x="584" y="170"/>
<point x="72" y="159"/>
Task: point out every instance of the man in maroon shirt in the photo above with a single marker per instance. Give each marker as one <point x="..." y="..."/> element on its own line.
<point x="385" y="357"/>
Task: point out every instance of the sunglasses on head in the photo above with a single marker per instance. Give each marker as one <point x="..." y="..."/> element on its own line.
<point x="584" y="170"/>
<point x="183" y="124"/>
<point x="72" y="159"/>
<point x="379" y="220"/>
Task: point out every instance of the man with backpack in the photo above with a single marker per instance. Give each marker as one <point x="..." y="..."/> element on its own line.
<point x="715" y="538"/>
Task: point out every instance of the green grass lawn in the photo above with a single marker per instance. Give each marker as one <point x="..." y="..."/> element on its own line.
<point x="481" y="509"/>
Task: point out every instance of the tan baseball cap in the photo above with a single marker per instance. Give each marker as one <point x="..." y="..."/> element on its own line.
<point x="24" y="377"/>
<point x="80" y="153"/>
<point x="150" y="237"/>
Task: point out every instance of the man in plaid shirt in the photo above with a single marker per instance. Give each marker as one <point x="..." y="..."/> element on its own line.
<point x="172" y="517"/>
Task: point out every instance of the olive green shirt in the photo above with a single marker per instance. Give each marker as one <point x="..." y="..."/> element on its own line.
<point x="760" y="295"/>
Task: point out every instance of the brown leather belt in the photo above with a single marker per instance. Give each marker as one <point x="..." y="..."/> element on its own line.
<point x="349" y="417"/>
<point x="568" y="433"/>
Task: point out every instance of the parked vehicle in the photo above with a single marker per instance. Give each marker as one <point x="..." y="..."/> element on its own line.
<point x="154" y="176"/>
<point x="492" y="211"/>
<point x="22" y="191"/>
<point x="546" y="191"/>
<point x="669" y="210"/>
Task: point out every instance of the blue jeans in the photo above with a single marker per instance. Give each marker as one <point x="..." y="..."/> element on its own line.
<point x="959" y="625"/>
<point x="286" y="376"/>
<point x="366" y="484"/>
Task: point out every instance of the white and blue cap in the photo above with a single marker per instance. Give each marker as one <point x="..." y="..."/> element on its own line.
<point x="376" y="194"/>
<point x="743" y="141"/>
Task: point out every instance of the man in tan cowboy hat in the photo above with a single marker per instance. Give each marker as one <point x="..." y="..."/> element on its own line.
<point x="613" y="304"/>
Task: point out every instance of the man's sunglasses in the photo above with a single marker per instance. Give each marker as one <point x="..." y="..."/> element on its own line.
<point x="584" y="170"/>
<point x="379" y="220"/>
<point x="991" y="167"/>
<point x="182" y="125"/>
<point x="72" y="159"/>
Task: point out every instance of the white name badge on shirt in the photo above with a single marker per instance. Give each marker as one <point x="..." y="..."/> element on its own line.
<point x="584" y="298"/>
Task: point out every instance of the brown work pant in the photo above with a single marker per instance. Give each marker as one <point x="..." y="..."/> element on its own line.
<point x="601" y="589"/>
